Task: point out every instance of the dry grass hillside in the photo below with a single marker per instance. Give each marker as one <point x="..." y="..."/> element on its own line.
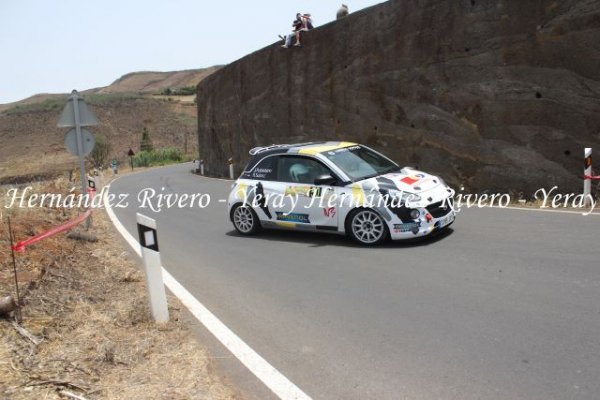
<point x="33" y="147"/>
<point x="155" y="82"/>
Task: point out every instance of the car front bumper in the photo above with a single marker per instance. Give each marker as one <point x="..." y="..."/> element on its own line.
<point x="422" y="227"/>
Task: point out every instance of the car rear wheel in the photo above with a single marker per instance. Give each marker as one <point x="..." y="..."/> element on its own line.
<point x="245" y="220"/>
<point x="367" y="227"/>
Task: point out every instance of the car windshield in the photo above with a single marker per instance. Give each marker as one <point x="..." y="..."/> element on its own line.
<point x="360" y="163"/>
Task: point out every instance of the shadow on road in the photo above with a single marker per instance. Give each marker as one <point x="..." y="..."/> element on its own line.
<point x="324" y="239"/>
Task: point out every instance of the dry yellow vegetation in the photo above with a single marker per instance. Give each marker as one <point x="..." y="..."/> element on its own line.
<point x="86" y="303"/>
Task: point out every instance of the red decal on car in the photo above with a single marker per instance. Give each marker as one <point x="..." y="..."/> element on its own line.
<point x="408" y="180"/>
<point x="329" y="212"/>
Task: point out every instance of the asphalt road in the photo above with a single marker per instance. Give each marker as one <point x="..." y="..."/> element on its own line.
<point x="505" y="306"/>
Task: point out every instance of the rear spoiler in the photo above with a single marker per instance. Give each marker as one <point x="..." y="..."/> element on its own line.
<point x="257" y="150"/>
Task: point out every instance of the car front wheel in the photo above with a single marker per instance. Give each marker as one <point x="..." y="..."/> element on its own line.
<point x="367" y="227"/>
<point x="245" y="220"/>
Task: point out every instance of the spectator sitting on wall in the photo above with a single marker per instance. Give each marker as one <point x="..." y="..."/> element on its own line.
<point x="307" y="23"/>
<point x="297" y="28"/>
<point x="342" y="12"/>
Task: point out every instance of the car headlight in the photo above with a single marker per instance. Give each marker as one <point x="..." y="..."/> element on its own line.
<point x="414" y="214"/>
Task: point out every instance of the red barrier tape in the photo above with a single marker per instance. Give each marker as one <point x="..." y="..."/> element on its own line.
<point x="20" y="246"/>
<point x="593" y="178"/>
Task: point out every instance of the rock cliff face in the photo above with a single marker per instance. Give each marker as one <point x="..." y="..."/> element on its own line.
<point x="499" y="95"/>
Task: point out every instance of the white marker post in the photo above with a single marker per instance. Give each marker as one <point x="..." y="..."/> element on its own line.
<point x="152" y="265"/>
<point x="230" y="161"/>
<point x="201" y="167"/>
<point x="587" y="182"/>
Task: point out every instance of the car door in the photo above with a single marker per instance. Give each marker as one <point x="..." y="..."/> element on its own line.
<point x="300" y="203"/>
<point x="257" y="185"/>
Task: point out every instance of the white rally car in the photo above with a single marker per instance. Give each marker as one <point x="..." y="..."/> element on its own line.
<point x="338" y="187"/>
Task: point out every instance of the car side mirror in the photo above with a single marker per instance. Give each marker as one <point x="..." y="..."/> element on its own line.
<point x="325" y="180"/>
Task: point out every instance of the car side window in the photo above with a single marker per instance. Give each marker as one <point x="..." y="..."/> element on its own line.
<point x="300" y="170"/>
<point x="265" y="169"/>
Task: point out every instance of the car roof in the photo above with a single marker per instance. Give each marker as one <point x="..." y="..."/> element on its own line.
<point x="310" y="148"/>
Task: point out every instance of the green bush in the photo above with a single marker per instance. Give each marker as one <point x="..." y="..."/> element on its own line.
<point x="107" y="99"/>
<point x="152" y="158"/>
<point x="101" y="151"/>
<point x="146" y="142"/>
<point x="181" y="91"/>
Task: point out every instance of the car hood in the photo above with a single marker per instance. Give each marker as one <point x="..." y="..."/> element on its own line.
<point x="407" y="180"/>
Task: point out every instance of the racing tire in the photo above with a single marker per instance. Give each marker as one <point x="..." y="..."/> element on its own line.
<point x="367" y="227"/>
<point x="245" y="220"/>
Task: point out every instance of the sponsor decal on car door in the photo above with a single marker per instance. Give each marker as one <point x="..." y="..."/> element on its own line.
<point x="320" y="203"/>
<point x="305" y="205"/>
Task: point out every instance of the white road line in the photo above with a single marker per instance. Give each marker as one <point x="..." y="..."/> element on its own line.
<point x="216" y="179"/>
<point x="549" y="210"/>
<point x="264" y="371"/>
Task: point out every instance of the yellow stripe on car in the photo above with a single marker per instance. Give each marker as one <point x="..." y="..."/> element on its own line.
<point x="241" y="191"/>
<point x="328" y="147"/>
<point x="358" y="195"/>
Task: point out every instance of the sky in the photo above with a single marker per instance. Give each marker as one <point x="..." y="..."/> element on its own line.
<point x="55" y="46"/>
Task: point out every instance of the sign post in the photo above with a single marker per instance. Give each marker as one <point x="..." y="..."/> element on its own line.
<point x="152" y="265"/>
<point x="76" y="114"/>
<point x="587" y="173"/>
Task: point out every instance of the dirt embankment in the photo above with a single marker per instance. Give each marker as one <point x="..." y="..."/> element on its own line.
<point x="33" y="146"/>
<point x="86" y="304"/>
